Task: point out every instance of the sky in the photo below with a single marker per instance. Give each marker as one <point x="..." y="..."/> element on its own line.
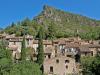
<point x="17" y="10"/>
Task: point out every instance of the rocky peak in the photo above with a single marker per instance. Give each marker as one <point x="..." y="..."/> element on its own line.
<point x="48" y="11"/>
<point x="61" y="17"/>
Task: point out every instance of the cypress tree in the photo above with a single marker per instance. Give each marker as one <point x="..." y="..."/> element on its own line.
<point x="23" y="50"/>
<point x="40" y="56"/>
<point x="51" y="30"/>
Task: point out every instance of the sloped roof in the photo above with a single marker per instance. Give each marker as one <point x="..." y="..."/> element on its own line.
<point x="35" y="41"/>
<point x="62" y="42"/>
<point x="84" y="48"/>
<point x="72" y="45"/>
<point x="14" y="38"/>
<point x="48" y="50"/>
<point x="93" y="46"/>
<point x="45" y="42"/>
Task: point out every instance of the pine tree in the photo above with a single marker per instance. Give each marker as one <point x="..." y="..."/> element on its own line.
<point x="40" y="56"/>
<point x="23" y="50"/>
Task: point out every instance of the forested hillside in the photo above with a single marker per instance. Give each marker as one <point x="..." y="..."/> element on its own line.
<point x="57" y="23"/>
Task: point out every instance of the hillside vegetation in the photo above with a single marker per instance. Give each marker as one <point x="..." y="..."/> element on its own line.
<point x="57" y="24"/>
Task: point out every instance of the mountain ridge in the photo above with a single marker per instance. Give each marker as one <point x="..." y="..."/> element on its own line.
<point x="60" y="23"/>
<point x="50" y="12"/>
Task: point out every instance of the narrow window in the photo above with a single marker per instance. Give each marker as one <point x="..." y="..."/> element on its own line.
<point x="49" y="56"/>
<point x="51" y="69"/>
<point x="85" y="54"/>
<point x="66" y="66"/>
<point x="92" y="53"/>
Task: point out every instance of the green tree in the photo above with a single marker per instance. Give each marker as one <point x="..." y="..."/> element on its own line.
<point x="30" y="53"/>
<point x="95" y="65"/>
<point x="91" y="65"/>
<point x="23" y="50"/>
<point x="26" y="22"/>
<point x="26" y="68"/>
<point x="40" y="56"/>
<point x="51" y="31"/>
<point x="13" y="24"/>
<point x="5" y="59"/>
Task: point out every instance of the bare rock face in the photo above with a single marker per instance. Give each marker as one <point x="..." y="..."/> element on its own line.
<point x="47" y="11"/>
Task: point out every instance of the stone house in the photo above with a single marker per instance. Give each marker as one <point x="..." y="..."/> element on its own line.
<point x="60" y="65"/>
<point x="94" y="48"/>
<point x="84" y="50"/>
<point x="49" y="52"/>
<point x="15" y="43"/>
<point x="46" y="43"/>
<point x="89" y="49"/>
<point x="72" y="48"/>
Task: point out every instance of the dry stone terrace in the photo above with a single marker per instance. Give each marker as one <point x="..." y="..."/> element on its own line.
<point x="59" y="53"/>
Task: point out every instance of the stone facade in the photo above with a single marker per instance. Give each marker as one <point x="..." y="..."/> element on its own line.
<point x="61" y="65"/>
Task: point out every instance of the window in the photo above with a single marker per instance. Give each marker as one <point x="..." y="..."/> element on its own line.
<point x="66" y="61"/>
<point x="49" y="56"/>
<point x="69" y="55"/>
<point x="56" y="42"/>
<point x="85" y="53"/>
<point x="92" y="53"/>
<point x="57" y="61"/>
<point x="51" y="69"/>
<point x="66" y="66"/>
